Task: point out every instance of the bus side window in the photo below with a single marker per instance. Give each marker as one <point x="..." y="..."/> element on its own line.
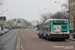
<point x="50" y="26"/>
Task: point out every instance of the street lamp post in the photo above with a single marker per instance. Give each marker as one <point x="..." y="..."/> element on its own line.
<point x="2" y="19"/>
<point x="49" y="12"/>
<point x="10" y="16"/>
<point x="40" y="12"/>
<point x="60" y="5"/>
<point x="47" y="9"/>
<point x="4" y="12"/>
<point x="1" y="3"/>
<point x="11" y="22"/>
<point x="43" y="24"/>
<point x="0" y="14"/>
<point x="7" y="14"/>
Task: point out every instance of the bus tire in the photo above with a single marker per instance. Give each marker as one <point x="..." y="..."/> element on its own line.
<point x="47" y="38"/>
<point x="42" y="36"/>
<point x="39" y="36"/>
<point x="63" y="39"/>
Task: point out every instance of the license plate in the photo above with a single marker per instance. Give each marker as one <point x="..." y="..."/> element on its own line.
<point x="60" y="34"/>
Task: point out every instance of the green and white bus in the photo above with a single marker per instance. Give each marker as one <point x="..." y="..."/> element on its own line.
<point x="54" y="29"/>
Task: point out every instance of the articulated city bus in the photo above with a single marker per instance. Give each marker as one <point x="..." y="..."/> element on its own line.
<point x="54" y="29"/>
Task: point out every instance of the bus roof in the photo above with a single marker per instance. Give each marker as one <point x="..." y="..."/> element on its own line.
<point x="57" y="19"/>
<point x="48" y="20"/>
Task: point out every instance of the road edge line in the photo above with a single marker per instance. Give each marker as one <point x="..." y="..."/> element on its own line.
<point x="71" y="39"/>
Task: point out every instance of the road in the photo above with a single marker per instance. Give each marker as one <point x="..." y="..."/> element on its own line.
<point x="8" y="40"/>
<point x="71" y="35"/>
<point x="31" y="41"/>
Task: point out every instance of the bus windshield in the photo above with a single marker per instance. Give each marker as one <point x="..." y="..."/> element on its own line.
<point x="59" y="21"/>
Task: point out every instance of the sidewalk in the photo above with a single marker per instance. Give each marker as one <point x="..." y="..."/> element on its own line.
<point x="71" y="35"/>
<point x="35" y="30"/>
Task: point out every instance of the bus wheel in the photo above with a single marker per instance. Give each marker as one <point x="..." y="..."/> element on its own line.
<point x="63" y="39"/>
<point x="42" y="37"/>
<point x="39" y="36"/>
<point x="47" y="38"/>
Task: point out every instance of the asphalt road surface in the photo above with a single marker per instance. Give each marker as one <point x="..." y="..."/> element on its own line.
<point x="31" y="41"/>
<point x="8" y="41"/>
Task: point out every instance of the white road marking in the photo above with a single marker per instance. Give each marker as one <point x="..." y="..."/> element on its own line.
<point x="3" y="46"/>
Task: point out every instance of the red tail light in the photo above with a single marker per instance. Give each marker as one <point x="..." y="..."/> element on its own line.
<point x="53" y="34"/>
<point x="66" y="34"/>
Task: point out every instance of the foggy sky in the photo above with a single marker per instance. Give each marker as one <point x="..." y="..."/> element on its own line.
<point x="29" y="9"/>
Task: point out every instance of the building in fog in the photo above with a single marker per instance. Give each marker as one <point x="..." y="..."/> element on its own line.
<point x="2" y="22"/>
<point x="72" y="15"/>
<point x="35" y="22"/>
<point x="18" y="22"/>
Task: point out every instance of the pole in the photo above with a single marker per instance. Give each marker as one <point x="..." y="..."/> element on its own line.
<point x="1" y="3"/>
<point x="48" y="11"/>
<point x="10" y="16"/>
<point x="4" y="12"/>
<point x="3" y="21"/>
<point x="43" y="26"/>
<point x="0" y="14"/>
<point x="60" y="5"/>
<point x="7" y="14"/>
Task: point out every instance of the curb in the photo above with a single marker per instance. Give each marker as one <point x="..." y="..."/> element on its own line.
<point x="72" y="39"/>
<point x="19" y="45"/>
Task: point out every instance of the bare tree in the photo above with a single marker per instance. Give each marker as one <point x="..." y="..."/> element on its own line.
<point x="66" y="5"/>
<point x="66" y="9"/>
<point x="58" y="15"/>
<point x="45" y="16"/>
